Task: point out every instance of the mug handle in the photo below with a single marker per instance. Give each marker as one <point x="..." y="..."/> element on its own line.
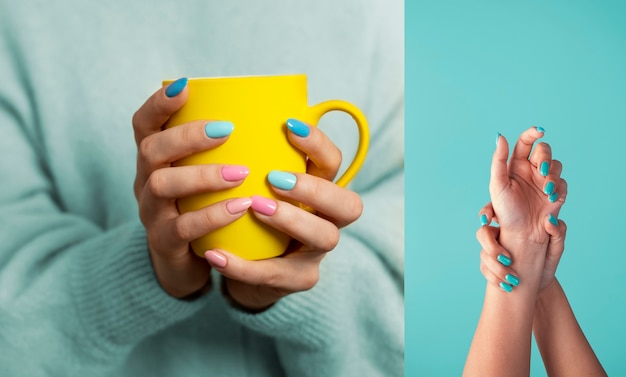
<point x="317" y="111"/>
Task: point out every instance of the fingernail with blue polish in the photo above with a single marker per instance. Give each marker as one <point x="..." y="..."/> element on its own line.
<point x="540" y="129"/>
<point x="483" y="220"/>
<point x="218" y="129"/>
<point x="297" y="127"/>
<point x="282" y="180"/>
<point x="549" y="189"/>
<point x="553" y="220"/>
<point x="512" y="279"/>
<point x="552" y="198"/>
<point x="544" y="168"/>
<point x="176" y="87"/>
<point x="505" y="287"/>
<point x="504" y="260"/>
<point x="498" y="138"/>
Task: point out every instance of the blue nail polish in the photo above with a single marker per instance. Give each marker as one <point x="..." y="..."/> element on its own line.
<point x="544" y="168"/>
<point x="498" y="138"/>
<point x="282" y="180"/>
<point x="553" y="220"/>
<point x="297" y="127"/>
<point x="218" y="129"/>
<point x="549" y="189"/>
<point x="176" y="87"/>
<point x="552" y="198"/>
<point x="505" y="287"/>
<point x="504" y="260"/>
<point x="540" y="129"/>
<point x="483" y="220"/>
<point x="512" y="279"/>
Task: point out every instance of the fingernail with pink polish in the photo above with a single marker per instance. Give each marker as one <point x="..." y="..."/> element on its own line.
<point x="235" y="206"/>
<point x="264" y="205"/>
<point x="216" y="259"/>
<point x="233" y="173"/>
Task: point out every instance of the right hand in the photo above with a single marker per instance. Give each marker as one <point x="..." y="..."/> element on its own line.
<point x="158" y="185"/>
<point x="495" y="272"/>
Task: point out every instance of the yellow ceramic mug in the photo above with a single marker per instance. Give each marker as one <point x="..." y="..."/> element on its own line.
<point x="259" y="107"/>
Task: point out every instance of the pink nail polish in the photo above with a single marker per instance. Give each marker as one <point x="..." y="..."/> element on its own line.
<point x="264" y="205"/>
<point x="216" y="259"/>
<point x="238" y="205"/>
<point x="235" y="172"/>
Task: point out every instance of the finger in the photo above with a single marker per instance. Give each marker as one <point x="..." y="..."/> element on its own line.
<point x="557" y="230"/>
<point x="299" y="272"/>
<point x="494" y="280"/>
<point x="499" y="171"/>
<point x="499" y="272"/>
<point x="189" y="226"/>
<point x="311" y="230"/>
<point x="558" y="197"/>
<point x="486" y="214"/>
<point x="525" y="143"/>
<point x="541" y="158"/>
<point x="156" y="111"/>
<point x="553" y="180"/>
<point x="337" y="204"/>
<point x="324" y="156"/>
<point x="487" y="236"/>
<point x="183" y="181"/>
<point x="174" y="143"/>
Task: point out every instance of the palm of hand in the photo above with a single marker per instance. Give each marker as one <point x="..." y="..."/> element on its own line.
<point x="520" y="206"/>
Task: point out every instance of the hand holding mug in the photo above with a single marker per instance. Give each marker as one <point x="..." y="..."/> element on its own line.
<point x="158" y="185"/>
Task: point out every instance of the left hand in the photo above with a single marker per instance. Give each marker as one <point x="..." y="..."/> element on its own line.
<point x="256" y="285"/>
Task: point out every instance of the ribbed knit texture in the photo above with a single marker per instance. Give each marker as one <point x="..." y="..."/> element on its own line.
<point x="78" y="295"/>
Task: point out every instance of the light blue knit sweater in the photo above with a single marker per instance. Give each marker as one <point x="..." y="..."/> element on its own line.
<point x="78" y="296"/>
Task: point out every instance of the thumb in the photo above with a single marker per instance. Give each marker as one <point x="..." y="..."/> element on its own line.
<point x="499" y="170"/>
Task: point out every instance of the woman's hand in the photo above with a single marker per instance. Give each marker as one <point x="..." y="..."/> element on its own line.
<point x="158" y="185"/>
<point x="256" y="285"/>
<point x="527" y="189"/>
<point x="495" y="261"/>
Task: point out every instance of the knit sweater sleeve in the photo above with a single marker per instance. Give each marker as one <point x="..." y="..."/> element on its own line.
<point x="72" y="293"/>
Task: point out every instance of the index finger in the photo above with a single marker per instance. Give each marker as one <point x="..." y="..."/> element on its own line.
<point x="524" y="144"/>
<point x="156" y="111"/>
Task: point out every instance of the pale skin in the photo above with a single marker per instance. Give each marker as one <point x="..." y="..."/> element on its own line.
<point x="534" y="244"/>
<point x="252" y="285"/>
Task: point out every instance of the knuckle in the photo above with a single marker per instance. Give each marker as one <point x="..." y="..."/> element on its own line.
<point x="310" y="279"/>
<point x="155" y="184"/>
<point x="182" y="229"/>
<point x="331" y="239"/>
<point x="146" y="150"/>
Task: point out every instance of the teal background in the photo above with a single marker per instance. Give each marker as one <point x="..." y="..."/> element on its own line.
<point x="477" y="68"/>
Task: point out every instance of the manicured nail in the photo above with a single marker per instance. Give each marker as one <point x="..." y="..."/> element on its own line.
<point x="549" y="189"/>
<point x="264" y="205"/>
<point x="218" y="129"/>
<point x="505" y="287"/>
<point x="506" y="261"/>
<point x="176" y="87"/>
<point x="512" y="279"/>
<point x="282" y="180"/>
<point x="233" y="173"/>
<point x="544" y="168"/>
<point x="483" y="220"/>
<point x="297" y="127"/>
<point x="238" y="205"/>
<point x="540" y="129"/>
<point x="553" y="220"/>
<point x="498" y="138"/>
<point x="552" y="198"/>
<point x="216" y="259"/>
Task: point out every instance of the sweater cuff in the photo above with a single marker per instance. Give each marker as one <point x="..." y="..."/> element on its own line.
<point x="118" y="296"/>
<point x="312" y="318"/>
